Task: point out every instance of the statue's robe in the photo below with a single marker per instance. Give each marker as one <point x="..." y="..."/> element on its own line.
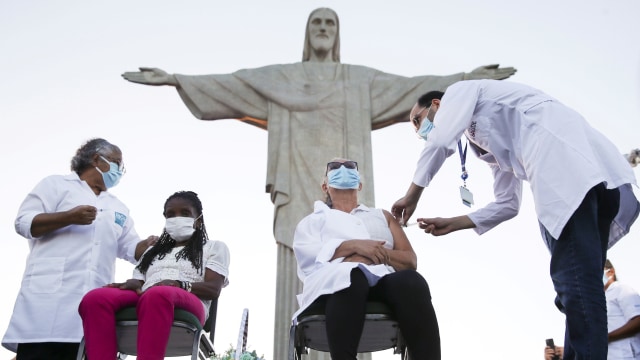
<point x="310" y="120"/>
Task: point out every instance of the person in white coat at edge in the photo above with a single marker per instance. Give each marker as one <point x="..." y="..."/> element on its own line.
<point x="581" y="183"/>
<point x="623" y="316"/>
<point x="348" y="253"/>
<point x="76" y="229"/>
<point x="623" y="319"/>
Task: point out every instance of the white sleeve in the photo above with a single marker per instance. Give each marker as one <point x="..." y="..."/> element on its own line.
<point x="307" y="243"/>
<point x="629" y="302"/>
<point x="452" y="119"/>
<point x="218" y="259"/>
<point x="507" y="190"/>
<point x="42" y="199"/>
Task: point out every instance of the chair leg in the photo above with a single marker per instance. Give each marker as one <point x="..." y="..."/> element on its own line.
<point x="292" y="345"/>
<point x="81" y="354"/>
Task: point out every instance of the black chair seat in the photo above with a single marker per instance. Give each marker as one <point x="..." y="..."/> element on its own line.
<point x="380" y="332"/>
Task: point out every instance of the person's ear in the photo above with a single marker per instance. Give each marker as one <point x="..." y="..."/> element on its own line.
<point x="436" y="103"/>
<point x="95" y="159"/>
<point x="360" y="187"/>
<point x="324" y="187"/>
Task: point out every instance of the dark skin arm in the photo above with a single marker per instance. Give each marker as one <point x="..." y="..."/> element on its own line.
<point x="143" y="245"/>
<point x="629" y="329"/>
<point x="208" y="289"/>
<point x="131" y="284"/>
<point x="45" y="223"/>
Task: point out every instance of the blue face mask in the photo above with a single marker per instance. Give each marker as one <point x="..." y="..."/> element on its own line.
<point x="343" y="178"/>
<point x="425" y="128"/>
<point x="112" y="177"/>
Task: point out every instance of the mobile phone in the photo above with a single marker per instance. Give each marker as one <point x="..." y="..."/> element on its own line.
<point x="553" y="346"/>
<point x="550" y="343"/>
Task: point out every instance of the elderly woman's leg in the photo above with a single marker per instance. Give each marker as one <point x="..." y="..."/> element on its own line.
<point x="407" y="294"/>
<point x="344" y="313"/>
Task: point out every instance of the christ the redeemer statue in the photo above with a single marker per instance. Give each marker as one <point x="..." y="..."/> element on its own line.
<point x="313" y="110"/>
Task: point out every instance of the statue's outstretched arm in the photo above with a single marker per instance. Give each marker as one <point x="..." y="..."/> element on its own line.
<point x="493" y="71"/>
<point x="150" y="76"/>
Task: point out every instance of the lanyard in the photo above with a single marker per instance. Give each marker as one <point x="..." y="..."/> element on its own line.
<point x="463" y="161"/>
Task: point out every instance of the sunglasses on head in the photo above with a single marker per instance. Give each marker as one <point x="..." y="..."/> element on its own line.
<point x="333" y="165"/>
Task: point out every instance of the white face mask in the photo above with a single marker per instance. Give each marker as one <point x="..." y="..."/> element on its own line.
<point x="180" y="228"/>
<point x="605" y="278"/>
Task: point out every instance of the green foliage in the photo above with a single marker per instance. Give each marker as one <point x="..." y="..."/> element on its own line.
<point x="230" y="354"/>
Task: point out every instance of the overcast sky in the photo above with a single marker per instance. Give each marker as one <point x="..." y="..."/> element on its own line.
<point x="61" y="63"/>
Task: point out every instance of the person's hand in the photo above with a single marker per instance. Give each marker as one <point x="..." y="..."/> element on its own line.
<point x="553" y="354"/>
<point x="131" y="284"/>
<point x="82" y="214"/>
<point x="402" y="210"/>
<point x="493" y="71"/>
<point x="151" y="240"/>
<point x="150" y="76"/>
<point x="373" y="250"/>
<point x="443" y="226"/>
<point x="173" y="283"/>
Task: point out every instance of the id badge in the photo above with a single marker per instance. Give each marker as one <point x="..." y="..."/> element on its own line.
<point x="466" y="195"/>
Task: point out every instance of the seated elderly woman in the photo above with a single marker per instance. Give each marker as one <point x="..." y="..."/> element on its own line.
<point x="184" y="269"/>
<point x="348" y="253"/>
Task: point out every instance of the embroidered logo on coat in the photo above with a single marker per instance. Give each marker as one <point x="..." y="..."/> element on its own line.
<point x="120" y="219"/>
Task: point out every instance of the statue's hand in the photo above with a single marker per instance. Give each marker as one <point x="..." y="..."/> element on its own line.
<point x="150" y="76"/>
<point x="492" y="71"/>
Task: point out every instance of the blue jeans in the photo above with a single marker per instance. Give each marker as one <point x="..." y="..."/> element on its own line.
<point x="577" y="263"/>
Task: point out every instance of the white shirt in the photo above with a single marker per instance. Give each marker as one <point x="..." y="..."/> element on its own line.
<point x="319" y="234"/>
<point x="64" y="264"/>
<point x="623" y="304"/>
<point x="215" y="256"/>
<point x="530" y="136"/>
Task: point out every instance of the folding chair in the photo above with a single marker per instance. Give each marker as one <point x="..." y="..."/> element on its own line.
<point x="381" y="331"/>
<point x="187" y="336"/>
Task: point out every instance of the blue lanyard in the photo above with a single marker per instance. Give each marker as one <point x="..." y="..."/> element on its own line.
<point x="463" y="160"/>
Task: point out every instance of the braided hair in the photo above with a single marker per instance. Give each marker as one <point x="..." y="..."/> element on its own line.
<point x="192" y="251"/>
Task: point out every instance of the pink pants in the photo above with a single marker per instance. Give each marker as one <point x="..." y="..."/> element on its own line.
<point x="155" y="309"/>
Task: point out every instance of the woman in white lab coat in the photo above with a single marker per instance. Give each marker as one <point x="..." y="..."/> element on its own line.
<point x="75" y="230"/>
<point x="348" y="253"/>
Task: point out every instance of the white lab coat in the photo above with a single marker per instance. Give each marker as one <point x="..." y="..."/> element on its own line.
<point x="63" y="265"/>
<point x="623" y="304"/>
<point x="528" y="135"/>
<point x="319" y="234"/>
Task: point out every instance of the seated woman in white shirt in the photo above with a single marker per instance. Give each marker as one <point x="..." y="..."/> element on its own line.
<point x="184" y="269"/>
<point x="347" y="254"/>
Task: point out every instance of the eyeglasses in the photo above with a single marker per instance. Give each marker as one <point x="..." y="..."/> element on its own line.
<point x="333" y="165"/>
<point x="416" y="118"/>
<point x="121" y="167"/>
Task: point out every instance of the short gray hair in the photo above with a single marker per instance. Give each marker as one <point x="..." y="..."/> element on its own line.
<point x="84" y="155"/>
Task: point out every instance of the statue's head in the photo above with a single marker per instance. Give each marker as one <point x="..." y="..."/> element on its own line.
<point x="322" y="34"/>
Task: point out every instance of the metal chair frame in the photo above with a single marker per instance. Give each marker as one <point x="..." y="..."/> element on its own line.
<point x="187" y="337"/>
<point x="380" y="332"/>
